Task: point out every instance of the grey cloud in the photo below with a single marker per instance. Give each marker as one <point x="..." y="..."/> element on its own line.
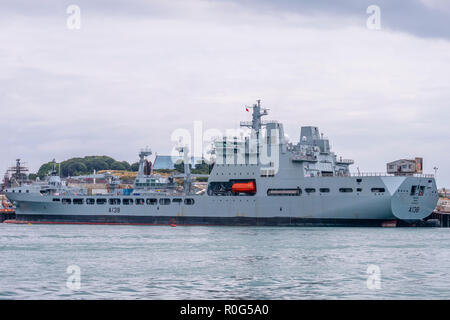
<point x="47" y="8"/>
<point x="129" y="80"/>
<point x="412" y="16"/>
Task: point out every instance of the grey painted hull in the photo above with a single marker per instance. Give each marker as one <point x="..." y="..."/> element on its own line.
<point x="331" y="208"/>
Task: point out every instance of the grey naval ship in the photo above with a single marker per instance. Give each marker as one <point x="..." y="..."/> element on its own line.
<point x="257" y="179"/>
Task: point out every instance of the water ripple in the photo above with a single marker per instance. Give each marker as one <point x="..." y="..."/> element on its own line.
<point x="126" y="262"/>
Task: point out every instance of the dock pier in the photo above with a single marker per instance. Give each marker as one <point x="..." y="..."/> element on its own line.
<point x="443" y="217"/>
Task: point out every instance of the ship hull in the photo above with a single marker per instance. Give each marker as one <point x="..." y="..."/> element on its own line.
<point x="198" y="221"/>
<point x="334" y="208"/>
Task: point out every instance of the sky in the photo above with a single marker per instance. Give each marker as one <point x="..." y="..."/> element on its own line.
<point x="137" y="70"/>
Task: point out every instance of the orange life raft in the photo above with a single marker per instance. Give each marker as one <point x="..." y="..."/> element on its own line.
<point x="248" y="187"/>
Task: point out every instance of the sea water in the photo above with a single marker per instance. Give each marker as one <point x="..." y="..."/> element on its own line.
<point x="163" y="262"/>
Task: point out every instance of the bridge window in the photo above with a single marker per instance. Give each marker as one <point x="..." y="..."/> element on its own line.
<point x="421" y="190"/>
<point x="56" y="200"/>
<point x="177" y="200"/>
<point x="101" y="201"/>
<point x="310" y="190"/>
<point x="189" y="201"/>
<point x="324" y="190"/>
<point x="90" y="201"/>
<point x="379" y="190"/>
<point x="413" y="190"/>
<point x="140" y="202"/>
<point x="346" y="190"/>
<point x="66" y="201"/>
<point x="78" y="201"/>
<point x="152" y="202"/>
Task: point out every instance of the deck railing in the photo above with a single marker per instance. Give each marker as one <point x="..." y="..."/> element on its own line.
<point x="299" y="157"/>
<point x="385" y="174"/>
<point x="345" y="161"/>
<point x="250" y="123"/>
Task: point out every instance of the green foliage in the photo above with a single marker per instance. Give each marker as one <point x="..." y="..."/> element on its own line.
<point x="74" y="168"/>
<point x="179" y="167"/>
<point x="135" y="167"/>
<point x="83" y="166"/>
<point x="164" y="171"/>
<point x="117" y="166"/>
<point x="126" y="165"/>
<point x="200" y="168"/>
<point x="46" y="169"/>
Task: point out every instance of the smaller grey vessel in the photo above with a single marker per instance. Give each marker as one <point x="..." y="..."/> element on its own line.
<point x="275" y="183"/>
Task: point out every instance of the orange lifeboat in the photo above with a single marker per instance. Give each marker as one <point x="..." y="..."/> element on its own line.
<point x="5" y="208"/>
<point x="246" y="187"/>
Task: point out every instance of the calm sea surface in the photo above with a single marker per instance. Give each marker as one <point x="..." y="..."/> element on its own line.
<point x="131" y="262"/>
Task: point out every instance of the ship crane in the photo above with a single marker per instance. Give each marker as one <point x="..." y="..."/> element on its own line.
<point x="187" y="176"/>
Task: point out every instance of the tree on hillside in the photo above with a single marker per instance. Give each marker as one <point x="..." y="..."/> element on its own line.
<point x="117" y="166"/>
<point x="135" y="167"/>
<point x="126" y="165"/>
<point x="96" y="164"/>
<point x="201" y="168"/>
<point x="179" y="166"/>
<point x="83" y="166"/>
<point x="76" y="168"/>
<point x="46" y="169"/>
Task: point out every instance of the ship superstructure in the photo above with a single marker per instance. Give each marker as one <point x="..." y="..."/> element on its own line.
<point x="259" y="179"/>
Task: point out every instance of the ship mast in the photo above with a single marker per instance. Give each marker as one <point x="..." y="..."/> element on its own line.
<point x="256" y="124"/>
<point x="19" y="173"/>
<point x="53" y="172"/>
<point x="144" y="153"/>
